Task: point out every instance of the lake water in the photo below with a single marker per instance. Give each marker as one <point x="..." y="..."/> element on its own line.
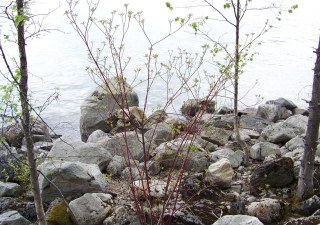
<point x="283" y="67"/>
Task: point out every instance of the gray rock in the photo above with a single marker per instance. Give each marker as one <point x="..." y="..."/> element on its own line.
<point x="122" y="143"/>
<point x="118" y="164"/>
<point x="220" y="173"/>
<point x="10" y="189"/>
<point x="280" y="133"/>
<point x="184" y="151"/>
<point x="98" y="136"/>
<point x="238" y="220"/>
<point x="225" y="122"/>
<point x="253" y="123"/>
<point x="91" y="208"/>
<point x="159" y="134"/>
<point x="26" y="209"/>
<point x="183" y="216"/>
<point x="308" y="206"/>
<point x="246" y="134"/>
<point x="223" y="110"/>
<point x="157" y="117"/>
<point x="216" y="135"/>
<point x="311" y="220"/>
<point x="67" y="149"/>
<point x="72" y="178"/>
<point x="176" y="123"/>
<point x="43" y="145"/>
<point x="276" y="173"/>
<point x="294" y="143"/>
<point x="99" y="108"/>
<point x="13" y="217"/>
<point x="282" y="102"/>
<point x="269" y="112"/>
<point x="235" y="158"/>
<point x="298" y="121"/>
<point x="132" y="173"/>
<point x="267" y="210"/>
<point x="206" y="145"/>
<point x="261" y="150"/>
<point x="14" y="134"/>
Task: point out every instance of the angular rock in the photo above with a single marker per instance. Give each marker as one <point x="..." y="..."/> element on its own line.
<point x="183" y="151"/>
<point x="122" y="215"/>
<point x="261" y="150"/>
<point x="282" y="102"/>
<point x="67" y="149"/>
<point x="311" y="220"/>
<point x="298" y="121"/>
<point x="277" y="173"/>
<point x="225" y="122"/>
<point x="216" y="135"/>
<point x="235" y="158"/>
<point x="99" y="108"/>
<point x="253" y="123"/>
<point x="157" y="117"/>
<point x="91" y="208"/>
<point x="159" y="134"/>
<point x="157" y="188"/>
<point x="269" y="112"/>
<point x="294" y="143"/>
<point x="267" y="210"/>
<point x="13" y="218"/>
<point x="246" y="135"/>
<point x="298" y="111"/>
<point x="121" y="143"/>
<point x="10" y="189"/>
<point x="176" y="123"/>
<point x="14" y="134"/>
<point x="238" y="220"/>
<point x="72" y="178"/>
<point x="280" y="133"/>
<point x="206" y="145"/>
<point x="223" y="110"/>
<point x="220" y="173"/>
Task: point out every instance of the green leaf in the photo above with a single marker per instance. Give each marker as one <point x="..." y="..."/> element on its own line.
<point x="169" y="6"/>
<point x="226" y="6"/>
<point x="194" y="26"/>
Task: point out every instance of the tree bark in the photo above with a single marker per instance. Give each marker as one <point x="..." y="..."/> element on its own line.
<point x="236" y="87"/>
<point x="23" y="92"/>
<point x="305" y="183"/>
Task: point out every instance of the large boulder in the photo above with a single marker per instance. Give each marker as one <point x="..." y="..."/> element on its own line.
<point x="238" y="220"/>
<point x="91" y="208"/>
<point x="160" y="133"/>
<point x="99" y="109"/>
<point x="282" y="102"/>
<point x="253" y="123"/>
<point x="276" y="173"/>
<point x="26" y="209"/>
<point x="13" y="217"/>
<point x="280" y="133"/>
<point x="68" y="149"/>
<point x="267" y="210"/>
<point x="72" y="178"/>
<point x="220" y="173"/>
<point x="269" y="112"/>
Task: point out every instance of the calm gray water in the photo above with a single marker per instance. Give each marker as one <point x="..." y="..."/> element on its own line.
<point x="283" y="67"/>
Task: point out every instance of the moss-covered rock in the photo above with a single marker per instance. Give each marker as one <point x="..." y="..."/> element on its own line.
<point x="57" y="213"/>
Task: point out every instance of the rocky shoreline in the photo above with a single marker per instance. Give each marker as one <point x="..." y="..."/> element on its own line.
<point x="93" y="174"/>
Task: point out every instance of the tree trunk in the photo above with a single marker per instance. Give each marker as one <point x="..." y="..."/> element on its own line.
<point x="23" y="91"/>
<point x="236" y="87"/>
<point x="305" y="183"/>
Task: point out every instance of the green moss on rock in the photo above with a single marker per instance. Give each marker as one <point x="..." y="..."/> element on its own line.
<point x="57" y="213"/>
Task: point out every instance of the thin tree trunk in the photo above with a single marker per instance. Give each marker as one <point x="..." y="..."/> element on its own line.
<point x="305" y="183"/>
<point x="23" y="88"/>
<point x="236" y="87"/>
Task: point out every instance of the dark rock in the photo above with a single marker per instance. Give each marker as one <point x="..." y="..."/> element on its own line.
<point x="192" y="106"/>
<point x="157" y="117"/>
<point x="298" y="111"/>
<point x="160" y="133"/>
<point x="277" y="173"/>
<point x="182" y="217"/>
<point x="282" y="102"/>
<point x="223" y="110"/>
<point x="14" y="134"/>
<point x="225" y="122"/>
